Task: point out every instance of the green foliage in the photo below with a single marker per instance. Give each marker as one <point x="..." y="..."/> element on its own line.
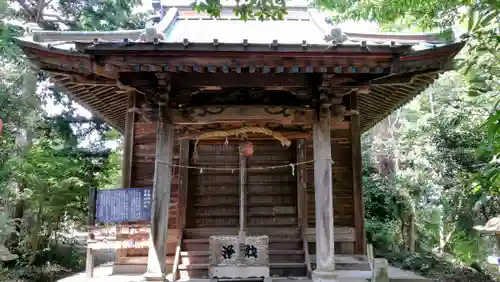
<point x="441" y="179"/>
<point x="45" y="170"/>
<point x="246" y="9"/>
<point x="78" y="15"/>
<point x="107" y="15"/>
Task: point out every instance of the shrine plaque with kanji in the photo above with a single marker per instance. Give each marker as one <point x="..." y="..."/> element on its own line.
<point x="123" y="205"/>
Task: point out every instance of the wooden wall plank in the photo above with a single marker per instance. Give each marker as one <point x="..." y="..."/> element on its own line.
<point x="343" y="189"/>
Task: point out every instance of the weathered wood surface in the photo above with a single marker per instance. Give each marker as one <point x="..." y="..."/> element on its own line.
<point x="231" y="114"/>
<point x="143" y="164"/>
<point x="357" y="191"/>
<point x="342" y="179"/>
<point x="323" y="193"/>
<point x="183" y="183"/>
<point x="266" y="154"/>
<point x="243" y="160"/>
<point x="301" y="173"/>
<point x="342" y="234"/>
<point x="128" y="142"/>
<point x="214" y="195"/>
<point x="214" y="189"/>
<point x="156" y="268"/>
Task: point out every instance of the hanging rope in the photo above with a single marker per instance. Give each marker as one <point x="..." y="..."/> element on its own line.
<point x="240" y="132"/>
<point x="233" y="169"/>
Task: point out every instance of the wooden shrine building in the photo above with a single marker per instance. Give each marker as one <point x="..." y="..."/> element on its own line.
<point x="245" y="128"/>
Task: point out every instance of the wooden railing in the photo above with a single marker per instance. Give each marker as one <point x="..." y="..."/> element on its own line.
<point x="307" y="257"/>
<point x="177" y="256"/>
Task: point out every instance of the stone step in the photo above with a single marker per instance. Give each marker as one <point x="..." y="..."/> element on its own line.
<point x="275" y="256"/>
<point x="364" y="276"/>
<point x="200" y="271"/>
<point x="275" y="243"/>
<point x="346" y="262"/>
<point x="205" y="233"/>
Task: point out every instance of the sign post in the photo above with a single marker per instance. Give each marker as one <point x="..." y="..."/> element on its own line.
<point x="123" y="205"/>
<point x="89" y="263"/>
<point x="115" y="206"/>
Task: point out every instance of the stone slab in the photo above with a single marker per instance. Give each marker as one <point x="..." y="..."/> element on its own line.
<point x="225" y="250"/>
<point x="235" y="271"/>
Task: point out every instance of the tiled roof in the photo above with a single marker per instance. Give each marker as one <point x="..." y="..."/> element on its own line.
<point x="301" y="28"/>
<point x="235" y="31"/>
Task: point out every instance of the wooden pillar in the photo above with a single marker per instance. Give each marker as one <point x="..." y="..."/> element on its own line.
<point x="128" y="142"/>
<point x="156" y="268"/>
<point x="183" y="183"/>
<point x="359" y="212"/>
<point x="325" y="257"/>
<point x="243" y="194"/>
<point x="89" y="263"/>
<point x="301" y="184"/>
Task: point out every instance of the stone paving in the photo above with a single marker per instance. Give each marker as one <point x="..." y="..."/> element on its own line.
<point x="104" y="273"/>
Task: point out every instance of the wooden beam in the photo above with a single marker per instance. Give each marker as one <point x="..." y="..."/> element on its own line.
<point x="79" y="79"/>
<point x="403" y="78"/>
<point x="156" y="268"/>
<point x="234" y="114"/>
<point x="107" y="70"/>
<point x="128" y="142"/>
<point x="192" y="79"/>
<point x="323" y="185"/>
<point x="183" y="183"/>
<point x="359" y="213"/>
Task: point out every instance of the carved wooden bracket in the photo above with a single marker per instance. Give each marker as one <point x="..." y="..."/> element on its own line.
<point x="232" y="114"/>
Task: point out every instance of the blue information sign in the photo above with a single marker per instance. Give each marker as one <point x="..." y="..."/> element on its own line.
<point x="123" y="205"/>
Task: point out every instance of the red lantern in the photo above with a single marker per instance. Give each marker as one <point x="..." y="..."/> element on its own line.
<point x="246" y="149"/>
<point x="1" y="126"/>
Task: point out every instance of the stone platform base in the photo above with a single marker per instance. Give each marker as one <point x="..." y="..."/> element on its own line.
<point x="233" y="271"/>
<point x="318" y="276"/>
<point x="106" y="274"/>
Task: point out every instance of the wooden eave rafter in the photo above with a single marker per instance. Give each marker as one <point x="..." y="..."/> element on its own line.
<point x="384" y="99"/>
<point x="95" y="98"/>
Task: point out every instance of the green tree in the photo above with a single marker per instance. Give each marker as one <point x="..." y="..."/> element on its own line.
<point x="44" y="170"/>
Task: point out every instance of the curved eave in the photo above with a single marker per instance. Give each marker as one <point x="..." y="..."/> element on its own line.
<point x="110" y="103"/>
<point x="104" y="101"/>
<point x="384" y="99"/>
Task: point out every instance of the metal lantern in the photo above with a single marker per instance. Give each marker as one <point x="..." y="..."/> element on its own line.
<point x="246" y="149"/>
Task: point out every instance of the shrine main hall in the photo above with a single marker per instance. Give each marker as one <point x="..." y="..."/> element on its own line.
<point x="247" y="133"/>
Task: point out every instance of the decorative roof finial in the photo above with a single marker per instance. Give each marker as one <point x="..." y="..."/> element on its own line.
<point x="336" y="36"/>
